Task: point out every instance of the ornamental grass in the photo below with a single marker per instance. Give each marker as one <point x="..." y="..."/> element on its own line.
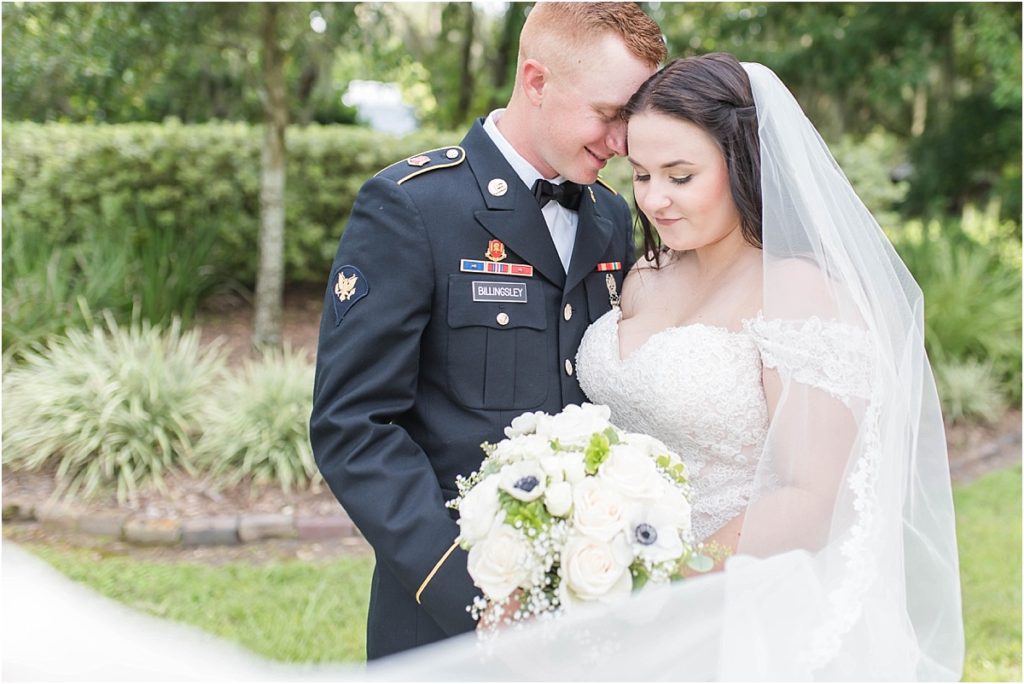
<point x="256" y="426"/>
<point x="110" y="406"/>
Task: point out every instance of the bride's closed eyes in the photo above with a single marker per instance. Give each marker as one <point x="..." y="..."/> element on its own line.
<point x="677" y="180"/>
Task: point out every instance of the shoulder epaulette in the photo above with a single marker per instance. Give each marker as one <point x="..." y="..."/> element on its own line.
<point x="605" y="184"/>
<point x="431" y="160"/>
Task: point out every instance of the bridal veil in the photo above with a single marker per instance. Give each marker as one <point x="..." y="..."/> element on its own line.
<point x="847" y="566"/>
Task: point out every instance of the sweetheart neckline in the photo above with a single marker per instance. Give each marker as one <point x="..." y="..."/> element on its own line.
<point x="617" y="318"/>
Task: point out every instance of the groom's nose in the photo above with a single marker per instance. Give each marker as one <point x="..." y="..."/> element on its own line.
<point x="616" y="138"/>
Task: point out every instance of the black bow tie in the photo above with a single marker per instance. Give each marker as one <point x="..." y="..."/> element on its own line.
<point x="567" y="194"/>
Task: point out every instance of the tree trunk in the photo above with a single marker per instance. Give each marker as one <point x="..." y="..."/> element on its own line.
<point x="507" y="55"/>
<point x="466" y="67"/>
<point x="270" y="275"/>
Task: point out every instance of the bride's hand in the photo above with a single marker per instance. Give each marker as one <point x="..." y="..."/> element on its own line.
<point x="498" y="617"/>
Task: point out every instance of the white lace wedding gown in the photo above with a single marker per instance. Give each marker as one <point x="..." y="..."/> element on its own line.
<point x="698" y="389"/>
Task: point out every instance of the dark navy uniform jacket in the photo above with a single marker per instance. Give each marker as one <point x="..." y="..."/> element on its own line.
<point x="419" y="362"/>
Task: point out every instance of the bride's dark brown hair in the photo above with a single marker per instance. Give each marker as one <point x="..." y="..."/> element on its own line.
<point x="713" y="92"/>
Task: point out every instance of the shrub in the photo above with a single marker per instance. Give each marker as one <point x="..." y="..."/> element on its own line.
<point x="256" y="426"/>
<point x="111" y="406"/>
<point x="968" y="389"/>
<point x="972" y="298"/>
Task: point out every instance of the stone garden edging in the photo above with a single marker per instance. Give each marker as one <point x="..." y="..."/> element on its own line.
<point x="210" y="530"/>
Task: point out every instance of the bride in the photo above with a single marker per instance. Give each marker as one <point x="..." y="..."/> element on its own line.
<point x="773" y="338"/>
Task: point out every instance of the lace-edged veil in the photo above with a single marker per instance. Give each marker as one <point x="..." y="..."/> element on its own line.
<point x="847" y="565"/>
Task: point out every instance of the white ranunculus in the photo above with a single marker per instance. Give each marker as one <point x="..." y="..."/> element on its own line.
<point x="525" y="424"/>
<point x="575" y="468"/>
<point x="575" y="424"/>
<point x="631" y="472"/>
<point x="597" y="570"/>
<point x="521" y="448"/>
<point x="652" y="533"/>
<point x="558" y="498"/>
<point x="554" y="467"/>
<point x="479" y="510"/>
<point x="649" y="445"/>
<point x="674" y="503"/>
<point x="598" y="510"/>
<point x="500" y="562"/>
<point x="524" y="480"/>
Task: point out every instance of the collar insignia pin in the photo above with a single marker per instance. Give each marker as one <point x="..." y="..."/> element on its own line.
<point x="497" y="187"/>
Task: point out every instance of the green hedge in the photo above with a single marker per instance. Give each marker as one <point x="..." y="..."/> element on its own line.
<point x="64" y="181"/>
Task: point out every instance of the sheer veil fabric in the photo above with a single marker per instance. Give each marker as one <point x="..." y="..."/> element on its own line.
<point x="847" y="566"/>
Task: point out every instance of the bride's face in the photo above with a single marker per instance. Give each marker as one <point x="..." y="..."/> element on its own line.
<point x="681" y="182"/>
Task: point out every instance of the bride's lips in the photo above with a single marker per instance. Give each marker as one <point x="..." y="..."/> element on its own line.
<point x="665" y="222"/>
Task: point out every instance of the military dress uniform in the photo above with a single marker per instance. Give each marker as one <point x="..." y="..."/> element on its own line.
<point x="447" y="314"/>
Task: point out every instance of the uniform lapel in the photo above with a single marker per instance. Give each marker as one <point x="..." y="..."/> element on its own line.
<point x="592" y="237"/>
<point x="513" y="217"/>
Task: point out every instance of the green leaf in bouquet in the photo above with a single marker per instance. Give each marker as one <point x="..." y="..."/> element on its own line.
<point x="529" y="515"/>
<point x="640" y="575"/>
<point x="596" y="453"/>
<point x="612" y="434"/>
<point x="698" y="562"/>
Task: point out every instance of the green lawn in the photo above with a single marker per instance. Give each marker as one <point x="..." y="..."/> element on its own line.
<point x="315" y="612"/>
<point x="989" y="536"/>
<point x="294" y="611"/>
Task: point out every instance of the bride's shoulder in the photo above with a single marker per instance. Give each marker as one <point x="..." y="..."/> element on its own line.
<point x="802" y="285"/>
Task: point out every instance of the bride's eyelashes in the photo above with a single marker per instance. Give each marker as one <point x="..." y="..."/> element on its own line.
<point x="677" y="180"/>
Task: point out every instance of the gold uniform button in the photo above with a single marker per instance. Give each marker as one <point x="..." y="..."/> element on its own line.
<point x="568" y="367"/>
<point x="502" y="318"/>
<point x="567" y="312"/>
<point x="452" y="153"/>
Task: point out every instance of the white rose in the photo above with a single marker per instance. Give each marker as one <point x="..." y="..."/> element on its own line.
<point x="479" y="510"/>
<point x="500" y="562"/>
<point x="599" y="511"/>
<point x="597" y="570"/>
<point x="524" y="480"/>
<point x="521" y="448"/>
<point x="652" y="533"/>
<point x="524" y="424"/>
<point x="575" y="424"/>
<point x="558" y="499"/>
<point x="631" y="472"/>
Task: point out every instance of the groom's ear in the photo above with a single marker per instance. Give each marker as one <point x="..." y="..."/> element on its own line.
<point x="534" y="80"/>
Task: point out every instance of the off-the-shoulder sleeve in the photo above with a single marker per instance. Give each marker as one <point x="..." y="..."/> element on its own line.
<point x="833" y="356"/>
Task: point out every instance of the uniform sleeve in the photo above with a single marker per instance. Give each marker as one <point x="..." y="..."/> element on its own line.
<point x="377" y="304"/>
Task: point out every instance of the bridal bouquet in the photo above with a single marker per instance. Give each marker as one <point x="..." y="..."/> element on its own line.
<point x="569" y="509"/>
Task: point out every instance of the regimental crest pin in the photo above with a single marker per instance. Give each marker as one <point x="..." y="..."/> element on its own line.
<point x="349" y="286"/>
<point x="495" y="250"/>
<point x="418" y="160"/>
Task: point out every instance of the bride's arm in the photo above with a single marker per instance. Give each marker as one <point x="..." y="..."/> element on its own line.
<point x="809" y="443"/>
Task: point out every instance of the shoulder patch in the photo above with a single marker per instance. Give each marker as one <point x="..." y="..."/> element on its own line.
<point x="424" y="162"/>
<point x="605" y="184"/>
<point x="348" y="286"/>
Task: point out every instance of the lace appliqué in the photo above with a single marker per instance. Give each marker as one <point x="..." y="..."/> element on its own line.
<point x="832" y="356"/>
<point x="840" y="359"/>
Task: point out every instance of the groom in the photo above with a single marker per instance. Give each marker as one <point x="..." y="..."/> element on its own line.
<point x="458" y="296"/>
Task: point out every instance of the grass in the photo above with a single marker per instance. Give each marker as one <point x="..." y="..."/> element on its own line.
<point x="989" y="536"/>
<point x="297" y="611"/>
<point x="291" y="611"/>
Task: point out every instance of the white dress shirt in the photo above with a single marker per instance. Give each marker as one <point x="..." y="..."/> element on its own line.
<point x="561" y="222"/>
